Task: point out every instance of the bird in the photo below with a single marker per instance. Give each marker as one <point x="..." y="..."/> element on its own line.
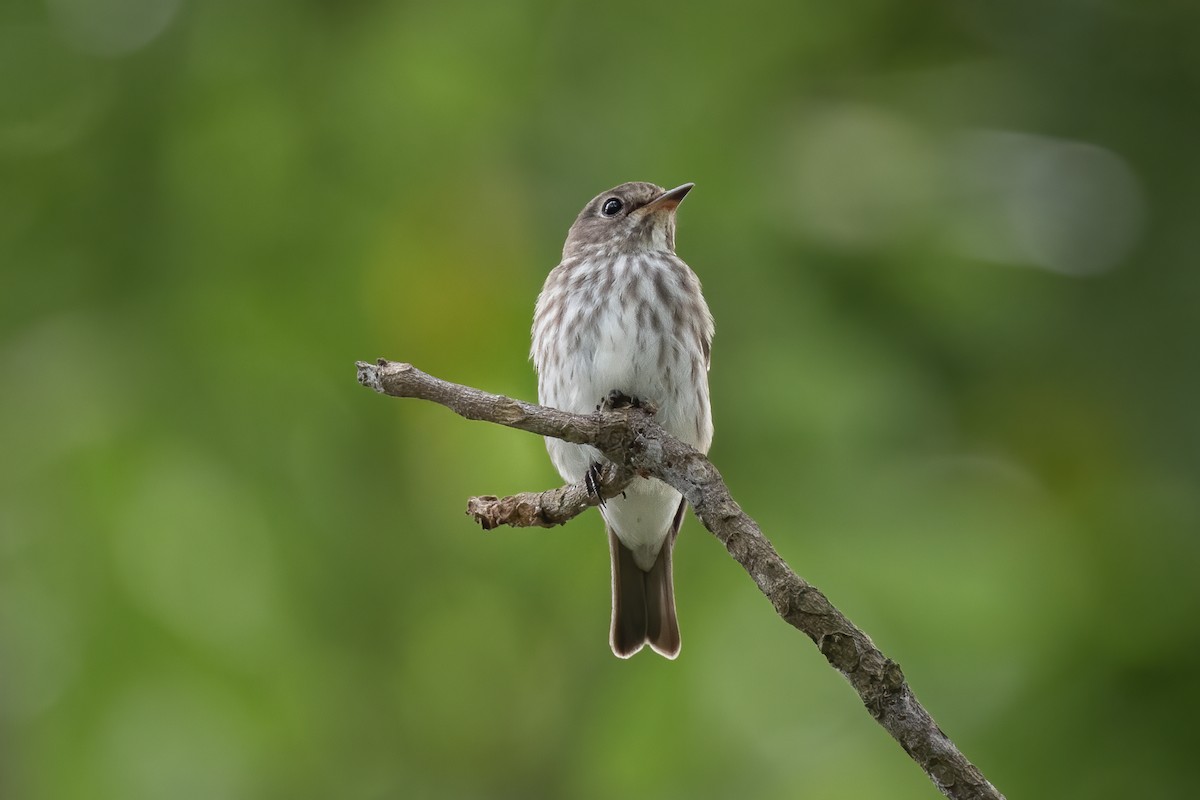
<point x="622" y="318"/>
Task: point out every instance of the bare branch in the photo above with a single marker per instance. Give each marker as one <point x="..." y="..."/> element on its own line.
<point x="631" y="439"/>
<point x="546" y="509"/>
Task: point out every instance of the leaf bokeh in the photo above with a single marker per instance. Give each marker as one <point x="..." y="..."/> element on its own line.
<point x="950" y="252"/>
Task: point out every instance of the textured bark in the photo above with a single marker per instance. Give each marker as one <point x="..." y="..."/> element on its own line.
<point x="545" y="509"/>
<point x="633" y="441"/>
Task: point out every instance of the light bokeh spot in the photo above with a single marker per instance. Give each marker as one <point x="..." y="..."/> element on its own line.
<point x="863" y="175"/>
<point x="112" y="27"/>
<point x="1066" y="206"/>
<point x="193" y="549"/>
<point x="39" y="648"/>
<point x="177" y="738"/>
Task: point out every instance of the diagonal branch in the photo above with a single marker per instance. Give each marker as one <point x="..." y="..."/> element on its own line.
<point x="633" y="441"/>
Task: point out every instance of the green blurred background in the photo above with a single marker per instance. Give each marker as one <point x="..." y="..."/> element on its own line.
<point x="950" y="251"/>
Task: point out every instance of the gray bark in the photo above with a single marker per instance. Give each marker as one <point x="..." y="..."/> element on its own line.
<point x="637" y="445"/>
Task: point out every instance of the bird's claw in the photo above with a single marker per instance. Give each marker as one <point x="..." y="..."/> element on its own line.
<point x="618" y="399"/>
<point x="592" y="480"/>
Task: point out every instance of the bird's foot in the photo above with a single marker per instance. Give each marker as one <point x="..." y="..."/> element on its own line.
<point x="618" y="399"/>
<point x="592" y="480"/>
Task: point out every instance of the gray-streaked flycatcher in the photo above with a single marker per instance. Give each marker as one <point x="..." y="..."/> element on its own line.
<point x="621" y="313"/>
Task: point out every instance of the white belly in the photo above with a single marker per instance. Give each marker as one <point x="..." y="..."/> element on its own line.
<point x="617" y="350"/>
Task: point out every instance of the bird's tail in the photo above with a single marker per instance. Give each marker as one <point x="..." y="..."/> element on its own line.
<point x="643" y="605"/>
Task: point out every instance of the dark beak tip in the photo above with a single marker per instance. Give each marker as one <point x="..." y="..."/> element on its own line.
<point x="672" y="197"/>
<point x="680" y="192"/>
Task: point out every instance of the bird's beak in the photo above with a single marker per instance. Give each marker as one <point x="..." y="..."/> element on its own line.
<point x="669" y="200"/>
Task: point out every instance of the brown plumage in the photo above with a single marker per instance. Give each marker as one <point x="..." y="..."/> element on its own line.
<point x="622" y="312"/>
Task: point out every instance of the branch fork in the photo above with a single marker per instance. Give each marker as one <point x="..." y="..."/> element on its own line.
<point x="637" y="445"/>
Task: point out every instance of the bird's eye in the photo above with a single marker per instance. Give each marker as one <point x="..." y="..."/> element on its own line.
<point x="612" y="206"/>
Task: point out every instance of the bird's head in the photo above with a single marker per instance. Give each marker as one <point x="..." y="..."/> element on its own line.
<point x="629" y="218"/>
